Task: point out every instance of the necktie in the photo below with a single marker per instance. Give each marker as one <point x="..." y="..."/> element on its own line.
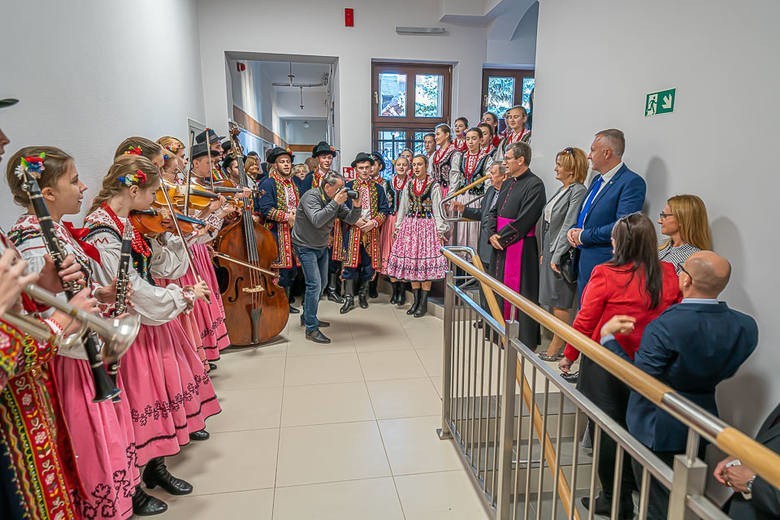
<point x="586" y="207"/>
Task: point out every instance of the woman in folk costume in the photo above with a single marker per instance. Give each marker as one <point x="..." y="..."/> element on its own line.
<point x="394" y="190"/>
<point x="376" y="174"/>
<point x="359" y="247"/>
<point x="169" y="392"/>
<point x="278" y="203"/>
<point x="487" y="138"/>
<point x="516" y="132"/>
<point x="459" y="129"/>
<point x="467" y="167"/>
<point x="212" y="335"/>
<point x="101" y="433"/>
<point x="441" y="161"/>
<point x="421" y="231"/>
<point x="491" y="119"/>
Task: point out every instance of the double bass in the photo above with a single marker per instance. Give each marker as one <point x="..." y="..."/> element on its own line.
<point x="256" y="308"/>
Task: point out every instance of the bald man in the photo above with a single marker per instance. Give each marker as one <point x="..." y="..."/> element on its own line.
<point x="692" y="346"/>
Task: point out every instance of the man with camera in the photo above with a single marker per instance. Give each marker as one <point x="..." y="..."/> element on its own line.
<point x="318" y="209"/>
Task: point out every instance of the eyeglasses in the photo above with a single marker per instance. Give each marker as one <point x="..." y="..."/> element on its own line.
<point x="684" y="270"/>
<point x="569" y="150"/>
<point x="664" y="215"/>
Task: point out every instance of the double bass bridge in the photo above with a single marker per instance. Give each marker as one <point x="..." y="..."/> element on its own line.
<point x="252" y="290"/>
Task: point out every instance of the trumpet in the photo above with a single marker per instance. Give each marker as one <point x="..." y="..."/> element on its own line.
<point x="117" y="333"/>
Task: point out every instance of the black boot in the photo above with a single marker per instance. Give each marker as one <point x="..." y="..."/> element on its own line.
<point x="200" y="435"/>
<point x="372" y="287"/>
<point x="147" y="505"/>
<point x="401" y="298"/>
<point x="422" y="307"/>
<point x="394" y="297"/>
<point x="331" y="291"/>
<point x="293" y="310"/>
<point x="349" y="297"/>
<point x="156" y="474"/>
<point x="363" y="294"/>
<point x="416" y="301"/>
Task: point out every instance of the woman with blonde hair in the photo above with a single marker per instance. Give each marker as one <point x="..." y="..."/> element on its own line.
<point x="560" y="214"/>
<point x="684" y="220"/>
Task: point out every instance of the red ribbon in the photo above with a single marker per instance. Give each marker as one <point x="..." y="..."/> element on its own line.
<point x="78" y="235"/>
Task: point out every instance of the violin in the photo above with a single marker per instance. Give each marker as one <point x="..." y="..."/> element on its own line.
<point x="150" y="221"/>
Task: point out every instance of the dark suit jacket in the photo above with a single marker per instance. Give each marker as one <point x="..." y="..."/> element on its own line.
<point x="765" y="504"/>
<point x="691" y="347"/>
<point x="482" y="214"/>
<point x="623" y="194"/>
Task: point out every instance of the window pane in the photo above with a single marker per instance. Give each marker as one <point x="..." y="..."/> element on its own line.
<point x="390" y="144"/>
<point x="500" y="94"/>
<point x="528" y="87"/>
<point x="392" y="95"/>
<point x="428" y="95"/>
<point x="417" y="143"/>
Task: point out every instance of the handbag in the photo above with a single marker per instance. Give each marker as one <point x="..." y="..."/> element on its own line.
<point x="569" y="265"/>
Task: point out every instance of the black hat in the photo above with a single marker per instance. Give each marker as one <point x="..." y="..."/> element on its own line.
<point x="277" y="152"/>
<point x="323" y="148"/>
<point x="8" y="102"/>
<point x="363" y="157"/>
<point x="199" y="150"/>
<point x="227" y="145"/>
<point x="213" y="138"/>
<point x="381" y="160"/>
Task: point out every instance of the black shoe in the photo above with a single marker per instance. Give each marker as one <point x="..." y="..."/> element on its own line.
<point x="571" y="377"/>
<point x="147" y="505"/>
<point x="401" y="298"/>
<point x="363" y="295"/>
<point x="200" y="435"/>
<point x="331" y="291"/>
<point x="349" y="297"/>
<point x="293" y="310"/>
<point x="422" y="306"/>
<point x="212" y="366"/>
<point x="320" y="323"/>
<point x="373" y="292"/>
<point x="478" y="324"/>
<point x="156" y="474"/>
<point x="394" y="297"/>
<point x="317" y="337"/>
<point x="604" y="506"/>
<point x="416" y="301"/>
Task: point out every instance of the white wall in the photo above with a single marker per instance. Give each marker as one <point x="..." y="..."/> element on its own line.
<point x="296" y="133"/>
<point x="596" y="61"/>
<point x="247" y="25"/>
<point x="90" y="73"/>
<point x="520" y="48"/>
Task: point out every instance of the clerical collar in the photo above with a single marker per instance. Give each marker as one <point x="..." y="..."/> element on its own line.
<point x="707" y="301"/>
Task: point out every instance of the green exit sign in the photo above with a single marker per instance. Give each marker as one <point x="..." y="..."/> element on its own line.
<point x="660" y="102"/>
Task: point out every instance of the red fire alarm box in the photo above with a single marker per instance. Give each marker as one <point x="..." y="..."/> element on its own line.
<point x="349" y="17"/>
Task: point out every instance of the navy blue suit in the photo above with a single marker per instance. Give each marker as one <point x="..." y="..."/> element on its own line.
<point x="622" y="195"/>
<point x="691" y="347"/>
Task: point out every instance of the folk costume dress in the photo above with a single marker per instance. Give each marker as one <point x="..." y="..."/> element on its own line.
<point x="514" y="217"/>
<point x="393" y="190"/>
<point x="460" y="144"/>
<point x="38" y="478"/>
<point x="441" y="164"/>
<point x="416" y="253"/>
<point x="467" y="168"/>
<point x="169" y="392"/>
<point x="101" y="433"/>
<point x="280" y="196"/>
<point x="510" y="138"/>
<point x="359" y="252"/>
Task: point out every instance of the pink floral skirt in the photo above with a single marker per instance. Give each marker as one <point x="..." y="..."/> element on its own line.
<point x="416" y="254"/>
<point x="169" y="393"/>
<point x="103" y="441"/>
<point x="386" y="241"/>
<point x="213" y="331"/>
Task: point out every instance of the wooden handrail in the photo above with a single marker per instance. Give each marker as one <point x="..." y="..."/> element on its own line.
<point x="765" y="462"/>
<point x="563" y="490"/>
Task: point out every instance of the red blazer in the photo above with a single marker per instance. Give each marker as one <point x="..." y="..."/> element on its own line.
<point x="612" y="291"/>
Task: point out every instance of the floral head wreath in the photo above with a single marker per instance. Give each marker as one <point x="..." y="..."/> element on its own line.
<point x="133" y="150"/>
<point x="33" y="164"/>
<point x="137" y="178"/>
<point x="174" y="147"/>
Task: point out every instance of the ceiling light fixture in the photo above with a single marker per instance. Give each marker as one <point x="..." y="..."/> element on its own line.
<point x="306" y="124"/>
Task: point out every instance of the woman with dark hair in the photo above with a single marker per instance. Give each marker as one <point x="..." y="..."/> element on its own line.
<point x="441" y="161"/>
<point x="491" y="119"/>
<point x="459" y="129"/>
<point x="633" y="283"/>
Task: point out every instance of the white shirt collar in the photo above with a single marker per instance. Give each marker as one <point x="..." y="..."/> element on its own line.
<point x="611" y="173"/>
<point x="708" y="301"/>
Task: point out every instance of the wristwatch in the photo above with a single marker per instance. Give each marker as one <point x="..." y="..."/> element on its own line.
<point x="749" y="486"/>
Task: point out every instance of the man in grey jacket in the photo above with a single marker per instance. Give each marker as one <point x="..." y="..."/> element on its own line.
<point x="314" y="218"/>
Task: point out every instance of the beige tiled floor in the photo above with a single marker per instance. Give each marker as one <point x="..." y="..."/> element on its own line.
<point x="341" y="431"/>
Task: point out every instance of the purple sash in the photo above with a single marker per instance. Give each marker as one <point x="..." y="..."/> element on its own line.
<point x="513" y="268"/>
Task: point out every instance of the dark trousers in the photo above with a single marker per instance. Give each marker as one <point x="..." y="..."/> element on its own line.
<point x="606" y="467"/>
<point x="364" y="270"/>
<point x="287" y="276"/>
<point x="314" y="263"/>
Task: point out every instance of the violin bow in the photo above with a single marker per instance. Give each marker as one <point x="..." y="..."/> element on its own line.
<point x="188" y="178"/>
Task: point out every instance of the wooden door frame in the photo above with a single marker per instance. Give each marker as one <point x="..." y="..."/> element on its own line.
<point x="518" y="74"/>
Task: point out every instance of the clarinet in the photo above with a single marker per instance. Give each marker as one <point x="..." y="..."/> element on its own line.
<point x="122" y="283"/>
<point x="29" y="171"/>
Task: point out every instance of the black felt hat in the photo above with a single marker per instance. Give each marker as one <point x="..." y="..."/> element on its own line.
<point x="323" y="148"/>
<point x="277" y="152"/>
<point x="199" y="150"/>
<point x="381" y="160"/>
<point x="213" y="137"/>
<point x="363" y="157"/>
<point x="8" y="102"/>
